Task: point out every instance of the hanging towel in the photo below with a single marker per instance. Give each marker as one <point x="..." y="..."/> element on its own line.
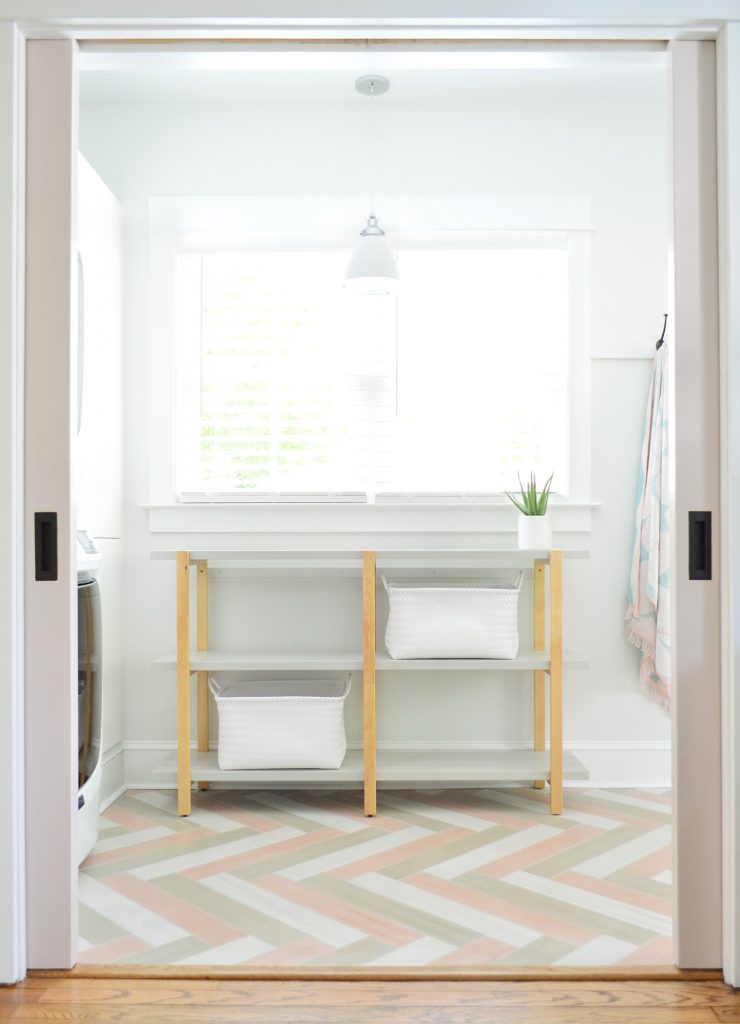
<point x="648" y="618"/>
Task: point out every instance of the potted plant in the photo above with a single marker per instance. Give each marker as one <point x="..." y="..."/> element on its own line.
<point x="535" y="530"/>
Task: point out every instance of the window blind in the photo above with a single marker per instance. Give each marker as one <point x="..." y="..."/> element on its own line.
<point x="287" y="385"/>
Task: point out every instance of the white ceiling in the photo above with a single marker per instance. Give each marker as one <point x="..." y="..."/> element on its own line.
<point x="300" y="74"/>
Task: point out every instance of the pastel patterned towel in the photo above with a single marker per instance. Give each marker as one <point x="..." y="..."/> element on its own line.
<point x="648" y="618"/>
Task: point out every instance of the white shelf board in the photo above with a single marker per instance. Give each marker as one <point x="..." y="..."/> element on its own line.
<point x="349" y="661"/>
<point x="526" y="661"/>
<point x="258" y="661"/>
<point x="385" y="558"/>
<point x="441" y="767"/>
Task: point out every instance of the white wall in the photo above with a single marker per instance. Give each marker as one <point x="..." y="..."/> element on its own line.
<point x="598" y="134"/>
<point x="100" y="507"/>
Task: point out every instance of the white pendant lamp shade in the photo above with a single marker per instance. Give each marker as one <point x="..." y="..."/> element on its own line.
<point x="372" y="268"/>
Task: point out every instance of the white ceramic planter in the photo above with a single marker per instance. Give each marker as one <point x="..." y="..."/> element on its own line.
<point x="535" y="532"/>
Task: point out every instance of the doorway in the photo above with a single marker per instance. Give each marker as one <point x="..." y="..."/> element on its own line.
<point x="165" y="585"/>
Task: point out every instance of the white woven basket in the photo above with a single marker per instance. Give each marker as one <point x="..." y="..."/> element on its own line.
<point x="279" y="723"/>
<point x="437" y="620"/>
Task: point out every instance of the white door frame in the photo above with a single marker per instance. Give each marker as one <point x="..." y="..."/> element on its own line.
<point x="728" y="179"/>
<point x="12" y="801"/>
<point x="629" y="19"/>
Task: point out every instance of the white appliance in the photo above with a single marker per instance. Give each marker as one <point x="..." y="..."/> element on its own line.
<point x="89" y="693"/>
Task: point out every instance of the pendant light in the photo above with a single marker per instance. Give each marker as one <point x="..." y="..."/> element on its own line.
<point x="372" y="267"/>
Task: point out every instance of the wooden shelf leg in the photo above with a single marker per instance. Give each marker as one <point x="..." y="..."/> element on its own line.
<point x="202" y="645"/>
<point x="183" y="683"/>
<point x="368" y="683"/>
<point x="556" y="682"/>
<point x="539" y="677"/>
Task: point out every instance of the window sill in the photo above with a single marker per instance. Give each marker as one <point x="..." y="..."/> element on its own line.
<point x="332" y="525"/>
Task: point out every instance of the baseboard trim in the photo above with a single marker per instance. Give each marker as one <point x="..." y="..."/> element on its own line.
<point x="652" y="973"/>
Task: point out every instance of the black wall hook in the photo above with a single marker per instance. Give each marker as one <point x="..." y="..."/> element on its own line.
<point x="661" y="339"/>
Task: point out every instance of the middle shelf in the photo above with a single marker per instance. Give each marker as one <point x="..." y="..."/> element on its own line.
<point x="351" y="661"/>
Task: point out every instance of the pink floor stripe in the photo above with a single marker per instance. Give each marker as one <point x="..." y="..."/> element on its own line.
<point x="149" y="846"/>
<point x="194" y="920"/>
<point x="481" y="953"/>
<point x="263" y="853"/>
<point x="109" y="952"/>
<point x="573" y="934"/>
<point x="300" y="951"/>
<point x="611" y="813"/>
<point x="247" y="818"/>
<point x="378" y="861"/>
<point x="133" y="822"/>
<point x="653" y="863"/>
<point x="657" y="951"/>
<point x="523" y="859"/>
<point x="349" y="810"/>
<point x="497" y="814"/>
<point x="666" y="799"/>
<point x="356" y="917"/>
<point x="382" y="821"/>
<point x="603" y="887"/>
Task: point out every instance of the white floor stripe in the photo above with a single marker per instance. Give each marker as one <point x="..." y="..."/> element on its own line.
<point x="415" y="954"/>
<point x="198" y="816"/>
<point x="612" y="797"/>
<point x="620" y="856"/>
<point x="330" y="819"/>
<point x="666" y="877"/>
<point x="458" y="819"/>
<point x="351" y="854"/>
<point x="318" y="926"/>
<point x="230" y="953"/>
<point x="599" y="952"/>
<point x="473" y="859"/>
<point x="496" y="796"/>
<point x="448" y="910"/>
<point x="127" y="914"/>
<point x="83" y="944"/>
<point x="591" y="901"/>
<point x="209" y="854"/>
<point x="146" y="835"/>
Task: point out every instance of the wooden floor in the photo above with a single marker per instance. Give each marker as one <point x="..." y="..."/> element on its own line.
<point x="168" y="1000"/>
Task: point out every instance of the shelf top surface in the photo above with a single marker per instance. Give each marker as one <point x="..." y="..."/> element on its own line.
<point x="352" y="660"/>
<point x="396" y="555"/>
<point x="410" y="765"/>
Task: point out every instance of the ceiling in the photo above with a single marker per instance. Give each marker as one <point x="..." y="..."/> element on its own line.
<point x="303" y="74"/>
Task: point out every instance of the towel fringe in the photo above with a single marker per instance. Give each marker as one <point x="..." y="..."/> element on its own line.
<point x="654" y="695"/>
<point x="634" y="638"/>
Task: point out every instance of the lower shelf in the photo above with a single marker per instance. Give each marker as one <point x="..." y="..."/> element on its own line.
<point x="408" y="767"/>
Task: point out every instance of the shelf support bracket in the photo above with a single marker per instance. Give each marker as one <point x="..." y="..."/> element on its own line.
<point x="201" y="644"/>
<point x="539" y="676"/>
<point x="556" y="682"/>
<point x="183" y="683"/>
<point x="368" y="682"/>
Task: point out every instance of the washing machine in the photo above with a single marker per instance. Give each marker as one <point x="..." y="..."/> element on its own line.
<point x="89" y="693"/>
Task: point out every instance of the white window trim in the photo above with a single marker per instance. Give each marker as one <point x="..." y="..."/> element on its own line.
<point x="413" y="222"/>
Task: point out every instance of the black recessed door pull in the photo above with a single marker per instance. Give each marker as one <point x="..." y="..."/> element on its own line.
<point x="45" y="536"/>
<point x="700" y="545"/>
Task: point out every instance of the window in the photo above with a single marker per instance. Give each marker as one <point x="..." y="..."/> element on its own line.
<point x="289" y="385"/>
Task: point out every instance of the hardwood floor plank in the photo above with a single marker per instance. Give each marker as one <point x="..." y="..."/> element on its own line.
<point x="322" y="1014"/>
<point x="162" y="993"/>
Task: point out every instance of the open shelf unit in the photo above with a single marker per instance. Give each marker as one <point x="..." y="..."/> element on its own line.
<point x="370" y="766"/>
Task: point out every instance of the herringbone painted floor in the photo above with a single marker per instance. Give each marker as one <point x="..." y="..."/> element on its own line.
<point x="454" y="878"/>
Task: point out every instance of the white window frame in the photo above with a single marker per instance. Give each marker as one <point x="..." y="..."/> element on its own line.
<point x="280" y="223"/>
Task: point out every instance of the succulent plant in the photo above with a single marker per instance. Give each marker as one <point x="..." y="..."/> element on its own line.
<point x="531" y="503"/>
